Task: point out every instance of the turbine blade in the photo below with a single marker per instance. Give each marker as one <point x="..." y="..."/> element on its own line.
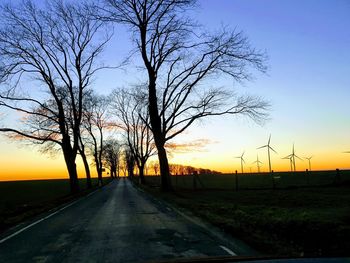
<point x="262" y="147"/>
<point x="269" y="140"/>
<point x="272" y="149"/>
<point x="298" y="157"/>
<point x="308" y="158"/>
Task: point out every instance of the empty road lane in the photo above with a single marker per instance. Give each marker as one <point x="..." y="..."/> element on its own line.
<point x="118" y="223"/>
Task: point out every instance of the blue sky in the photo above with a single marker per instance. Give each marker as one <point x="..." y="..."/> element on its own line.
<point x="308" y="85"/>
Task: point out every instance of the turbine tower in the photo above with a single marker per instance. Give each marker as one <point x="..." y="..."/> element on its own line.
<point x="242" y="161"/>
<point x="290" y="158"/>
<point x="309" y="159"/>
<point x="293" y="155"/>
<point x="268" y="151"/>
<point x="258" y="163"/>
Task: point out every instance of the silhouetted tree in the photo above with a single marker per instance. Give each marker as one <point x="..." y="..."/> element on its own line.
<point x="132" y="117"/>
<point x="155" y="166"/>
<point x="179" y="60"/>
<point x="82" y="152"/>
<point x="129" y="161"/>
<point x="111" y="156"/>
<point x="95" y="123"/>
<point x="55" y="46"/>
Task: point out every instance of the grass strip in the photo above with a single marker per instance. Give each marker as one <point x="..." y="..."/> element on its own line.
<point x="294" y="222"/>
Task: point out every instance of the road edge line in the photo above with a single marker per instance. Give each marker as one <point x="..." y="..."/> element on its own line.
<point x="49" y="215"/>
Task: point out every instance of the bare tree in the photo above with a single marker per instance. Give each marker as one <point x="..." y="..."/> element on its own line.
<point x="55" y="49"/>
<point x="180" y="61"/>
<point x="129" y="160"/>
<point x="111" y="156"/>
<point x="82" y="152"/>
<point x="95" y="123"/>
<point x="155" y="166"/>
<point x="132" y="116"/>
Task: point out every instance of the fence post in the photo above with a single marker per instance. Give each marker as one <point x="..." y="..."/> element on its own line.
<point x="273" y="180"/>
<point x="307" y="177"/>
<point x="337" y="177"/>
<point x="236" y="179"/>
<point x="194" y="181"/>
<point x="175" y="180"/>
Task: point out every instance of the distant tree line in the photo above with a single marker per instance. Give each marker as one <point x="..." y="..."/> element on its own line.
<point x="179" y="169"/>
<point x="50" y="55"/>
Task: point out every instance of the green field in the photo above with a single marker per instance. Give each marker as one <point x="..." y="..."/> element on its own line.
<point x="20" y="200"/>
<point x="279" y="180"/>
<point x="292" y="221"/>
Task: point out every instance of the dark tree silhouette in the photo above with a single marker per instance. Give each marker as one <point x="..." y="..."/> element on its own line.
<point x="129" y="160"/>
<point x="133" y="118"/>
<point x="111" y="156"/>
<point x="55" y="50"/>
<point x="95" y="123"/>
<point x="179" y="60"/>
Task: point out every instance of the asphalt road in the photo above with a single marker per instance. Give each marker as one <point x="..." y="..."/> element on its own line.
<point x="117" y="223"/>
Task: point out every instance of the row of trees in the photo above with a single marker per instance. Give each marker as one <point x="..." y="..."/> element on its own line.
<point x="50" y="55"/>
<point x="178" y="169"/>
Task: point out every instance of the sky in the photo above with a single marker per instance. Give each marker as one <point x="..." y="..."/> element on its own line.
<point x="307" y="85"/>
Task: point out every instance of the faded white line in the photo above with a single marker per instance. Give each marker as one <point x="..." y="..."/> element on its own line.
<point x="228" y="250"/>
<point x="42" y="219"/>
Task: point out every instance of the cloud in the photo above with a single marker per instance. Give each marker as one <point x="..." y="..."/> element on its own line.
<point x="187" y="147"/>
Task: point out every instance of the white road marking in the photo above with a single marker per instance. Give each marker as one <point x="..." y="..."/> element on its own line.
<point x="42" y="219"/>
<point x="228" y="250"/>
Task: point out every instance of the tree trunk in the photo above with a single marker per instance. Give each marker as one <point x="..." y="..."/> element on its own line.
<point x="114" y="171"/>
<point x="87" y="169"/>
<point x="69" y="157"/>
<point x="130" y="172"/>
<point x="99" y="175"/>
<point x="73" y="176"/>
<point x="155" y="119"/>
<point x="141" y="173"/>
<point x="86" y="163"/>
<point x="158" y="136"/>
<point x="98" y="169"/>
<point x="164" y="170"/>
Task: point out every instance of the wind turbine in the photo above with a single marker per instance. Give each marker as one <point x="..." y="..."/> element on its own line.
<point x="309" y="159"/>
<point x="268" y="151"/>
<point x="293" y="155"/>
<point x="258" y="163"/>
<point x="290" y="158"/>
<point x="242" y="161"/>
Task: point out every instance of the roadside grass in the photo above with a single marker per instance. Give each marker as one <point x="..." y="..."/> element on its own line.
<point x="21" y="200"/>
<point x="294" y="222"/>
<point x="258" y="180"/>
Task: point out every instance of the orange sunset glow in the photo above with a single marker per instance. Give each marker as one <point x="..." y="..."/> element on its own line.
<point x="307" y="85"/>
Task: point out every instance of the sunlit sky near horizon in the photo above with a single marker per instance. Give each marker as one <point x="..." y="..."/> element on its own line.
<point x="308" y="86"/>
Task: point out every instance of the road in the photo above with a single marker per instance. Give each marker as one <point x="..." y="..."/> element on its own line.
<point x="117" y="223"/>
